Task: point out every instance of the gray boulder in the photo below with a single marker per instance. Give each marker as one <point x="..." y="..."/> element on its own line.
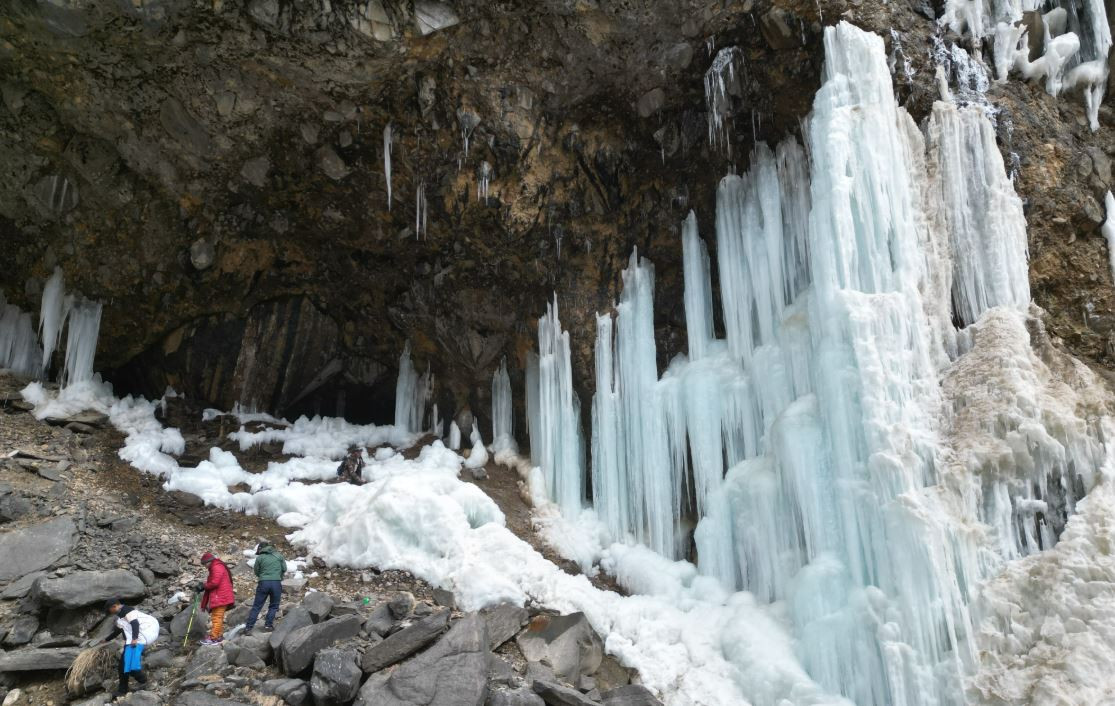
<point x="630" y="695"/>
<point x="21" y="630"/>
<point x="38" y="659"/>
<point x="298" y="617"/>
<point x="202" y="698"/>
<point x="336" y="677"/>
<point x="567" y="642"/>
<point x="454" y="672"/>
<point x="182" y="621"/>
<point x="247" y="651"/>
<point x="557" y="695"/>
<point x="380" y="622"/>
<point x="515" y="697"/>
<point x="294" y="692"/>
<point x="84" y="588"/>
<point x="404" y="643"/>
<point x="35" y="548"/>
<point x="208" y="659"/>
<point x="20" y="588"/>
<point x="318" y="605"/>
<point x="504" y="622"/>
<point x="300" y="646"/>
<point x="401" y="604"/>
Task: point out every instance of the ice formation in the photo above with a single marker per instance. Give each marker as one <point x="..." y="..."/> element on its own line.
<point x="454" y="436"/>
<point x="412" y="391"/>
<point x="387" y="161"/>
<point x="1108" y="229"/>
<point x="722" y="80"/>
<point x="19" y="349"/>
<point x="420" y="210"/>
<point x="483" y="179"/>
<point x="52" y="315"/>
<point x="556" y="429"/>
<point x="81" y="341"/>
<point x="503" y="432"/>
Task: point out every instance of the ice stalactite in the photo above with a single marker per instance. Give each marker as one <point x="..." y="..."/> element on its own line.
<point x="560" y="448"/>
<point x="387" y="161"/>
<point x="722" y="80"/>
<point x="420" y="210"/>
<point x="1108" y="229"/>
<point x="698" y="289"/>
<point x="483" y="179"/>
<point x="52" y="315"/>
<point x="981" y="212"/>
<point x="411" y="394"/>
<point x="81" y="341"/>
<point x="534" y="429"/>
<point x="19" y="349"/>
<point x="454" y="436"/>
<point x="503" y="433"/>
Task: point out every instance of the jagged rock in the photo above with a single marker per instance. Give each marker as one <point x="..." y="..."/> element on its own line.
<point x="555" y="694"/>
<point x="35" y="548"/>
<point x="21" y="630"/>
<point x="404" y="643"/>
<point x="38" y="659"/>
<point x="255" y="171"/>
<point x="141" y="698"/>
<point x="431" y="16"/>
<point x="445" y="598"/>
<point x="567" y="642"/>
<point x="294" y="692"/>
<point x="183" y="127"/>
<point x="13" y="507"/>
<point x="159" y="659"/>
<point x="97" y="700"/>
<point x="651" y="102"/>
<point x="84" y="588"/>
<point x="244" y="651"/>
<point x="181" y="622"/>
<point x="20" y="588"/>
<point x="207" y="659"/>
<point x="318" y="605"/>
<point x="454" y="672"/>
<point x="523" y="696"/>
<point x="336" y="677"/>
<point x="380" y="621"/>
<point x="147" y="576"/>
<point x="779" y="29"/>
<point x="500" y="672"/>
<point x="300" y="646"/>
<point x="611" y="674"/>
<point x="297" y="617"/>
<point x="504" y="622"/>
<point x="630" y="695"/>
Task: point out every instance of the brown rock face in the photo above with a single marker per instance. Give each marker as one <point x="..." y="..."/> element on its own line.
<point x="215" y="173"/>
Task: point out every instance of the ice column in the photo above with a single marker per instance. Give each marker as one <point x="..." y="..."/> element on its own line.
<point x="52" y="315"/>
<point x="81" y="342"/>
<point x="698" y="289"/>
<point x="533" y="412"/>
<point x="503" y="436"/>
<point x="559" y="444"/>
<point x="411" y="394"/>
<point x="387" y="161"/>
<point x="19" y="351"/>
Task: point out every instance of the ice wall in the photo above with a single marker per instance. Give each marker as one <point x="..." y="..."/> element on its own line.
<point x="81" y="341"/>
<point x="19" y="349"/>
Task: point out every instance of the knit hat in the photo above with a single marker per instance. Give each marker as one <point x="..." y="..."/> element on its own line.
<point x="207" y="557"/>
<point x="111" y="603"/>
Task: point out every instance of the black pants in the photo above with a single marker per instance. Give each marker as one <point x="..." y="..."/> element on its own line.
<point x="140" y="677"/>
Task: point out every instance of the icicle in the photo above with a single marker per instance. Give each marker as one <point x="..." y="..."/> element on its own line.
<point x="81" y="342"/>
<point x="533" y="410"/>
<point x="387" y="161"/>
<point x="503" y="436"/>
<point x="721" y="82"/>
<point x="1108" y="229"/>
<point x="19" y="349"/>
<point x="52" y="315"/>
<point x="411" y="394"/>
<point x="484" y="176"/>
<point x="420" y="210"/>
<point x="698" y="289"/>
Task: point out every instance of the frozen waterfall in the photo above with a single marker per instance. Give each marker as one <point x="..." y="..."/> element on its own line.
<point x="411" y="394"/>
<point x="503" y="433"/>
<point x="836" y="447"/>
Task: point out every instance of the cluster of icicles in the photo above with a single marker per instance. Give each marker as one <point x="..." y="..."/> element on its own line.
<point x="29" y="355"/>
<point x="803" y="457"/>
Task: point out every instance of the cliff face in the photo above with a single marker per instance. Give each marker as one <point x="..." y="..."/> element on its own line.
<point x="215" y="173"/>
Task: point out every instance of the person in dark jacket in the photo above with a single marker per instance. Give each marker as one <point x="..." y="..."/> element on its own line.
<point x="139" y="630"/>
<point x="352" y="467"/>
<point x="269" y="568"/>
<point x="219" y="597"/>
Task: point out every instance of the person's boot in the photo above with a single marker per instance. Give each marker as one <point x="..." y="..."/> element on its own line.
<point x="268" y="628"/>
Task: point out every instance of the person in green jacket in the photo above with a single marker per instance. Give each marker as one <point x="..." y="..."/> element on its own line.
<point x="269" y="567"/>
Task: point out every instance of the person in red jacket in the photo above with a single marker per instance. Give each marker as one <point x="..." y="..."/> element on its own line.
<point x="218" y="597"/>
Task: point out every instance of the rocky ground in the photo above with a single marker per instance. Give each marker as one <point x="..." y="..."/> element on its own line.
<point x="81" y="526"/>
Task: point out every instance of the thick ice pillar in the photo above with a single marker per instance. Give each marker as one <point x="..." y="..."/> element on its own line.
<point x="559" y="443"/>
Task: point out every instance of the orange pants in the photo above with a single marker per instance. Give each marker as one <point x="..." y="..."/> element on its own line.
<point x="217" y="615"/>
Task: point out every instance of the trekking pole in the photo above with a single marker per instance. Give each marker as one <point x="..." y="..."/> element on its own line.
<point x="190" y="625"/>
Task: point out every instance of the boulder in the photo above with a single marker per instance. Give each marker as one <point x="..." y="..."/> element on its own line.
<point x="630" y="695"/>
<point x="181" y="622"/>
<point x="20" y="588"/>
<point x="301" y="645"/>
<point x="85" y="588"/>
<point x="445" y="598"/>
<point x="401" y="605"/>
<point x="567" y="642"/>
<point x="202" y="698"/>
<point x="454" y="672"/>
<point x="523" y="696"/>
<point x="207" y="659"/>
<point x="318" y="605"/>
<point x="294" y="692"/>
<point x="298" y="617"/>
<point x="336" y="677"/>
<point x="380" y="622"/>
<point x="244" y="651"/>
<point x="555" y="694"/>
<point x="611" y="674"/>
<point x="35" y="548"/>
<point x="21" y="630"/>
<point x="141" y="698"/>
<point x="38" y="659"/>
<point x="500" y="672"/>
<point x="504" y="622"/>
<point x="404" y="643"/>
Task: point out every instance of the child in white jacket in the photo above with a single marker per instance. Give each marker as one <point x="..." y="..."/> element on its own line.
<point x="139" y="630"/>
